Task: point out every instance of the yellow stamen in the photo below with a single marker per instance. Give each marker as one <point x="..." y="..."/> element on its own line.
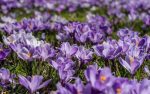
<point x="4" y="92"/>
<point x="1" y="50"/>
<point x="102" y="78"/>
<point x="118" y="90"/>
<point x="11" y="39"/>
<point x="131" y="59"/>
<point x="29" y="54"/>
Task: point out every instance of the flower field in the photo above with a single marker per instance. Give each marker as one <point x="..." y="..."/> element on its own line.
<point x="75" y="46"/>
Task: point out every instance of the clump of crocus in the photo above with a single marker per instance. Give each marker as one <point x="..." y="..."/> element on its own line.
<point x="28" y="47"/>
<point x="33" y="83"/>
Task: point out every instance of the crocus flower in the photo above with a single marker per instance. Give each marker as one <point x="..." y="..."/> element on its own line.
<point x="24" y="52"/>
<point x="5" y="77"/>
<point x="76" y="88"/>
<point x="124" y="45"/>
<point x="108" y="50"/>
<point x="81" y="32"/>
<point x="25" y="45"/>
<point x="123" y="86"/>
<point x="144" y="87"/>
<point x="146" y="20"/>
<point x="70" y="27"/>
<point x="96" y="37"/>
<point x="144" y="45"/>
<point x="126" y="34"/>
<point x="23" y="38"/>
<point x="100" y="23"/>
<point x="45" y="51"/>
<point x="68" y="50"/>
<point x="100" y="79"/>
<point x="61" y="90"/>
<point x="146" y="70"/>
<point x="84" y="55"/>
<point x="13" y="38"/>
<point x="33" y="84"/>
<point x="133" y="59"/>
<point x="4" y="52"/>
<point x="64" y="66"/>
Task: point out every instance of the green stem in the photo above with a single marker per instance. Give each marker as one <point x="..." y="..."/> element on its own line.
<point x="30" y="68"/>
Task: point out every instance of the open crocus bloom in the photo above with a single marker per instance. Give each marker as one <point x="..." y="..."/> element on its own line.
<point x="133" y="59"/>
<point x="5" y="77"/>
<point x="4" y="52"/>
<point x="33" y="84"/>
<point x="68" y="50"/>
<point x="84" y="55"/>
<point x="108" y="50"/>
<point x="100" y="79"/>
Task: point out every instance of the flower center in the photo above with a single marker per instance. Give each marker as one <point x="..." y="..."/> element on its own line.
<point x="102" y="78"/>
<point x="118" y="90"/>
<point x="131" y="59"/>
<point x="29" y="54"/>
<point x="1" y="50"/>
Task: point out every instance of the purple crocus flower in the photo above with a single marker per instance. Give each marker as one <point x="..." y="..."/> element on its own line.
<point x="5" y="77"/>
<point x="100" y="23"/>
<point x="68" y="50"/>
<point x="76" y="88"/>
<point x="81" y="32"/>
<point x="33" y="84"/>
<point x="124" y="45"/>
<point x="61" y="90"/>
<point x="24" y="44"/>
<point x="133" y="59"/>
<point x="96" y="37"/>
<point x="4" y="52"/>
<point x="24" y="52"/>
<point x="124" y="86"/>
<point x="45" y="51"/>
<point x="146" y="20"/>
<point x="126" y="34"/>
<point x="100" y="79"/>
<point x="64" y="66"/>
<point x="144" y="87"/>
<point x="70" y="27"/>
<point x="144" y="44"/>
<point x="84" y="55"/>
<point x="146" y="70"/>
<point x="108" y="50"/>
